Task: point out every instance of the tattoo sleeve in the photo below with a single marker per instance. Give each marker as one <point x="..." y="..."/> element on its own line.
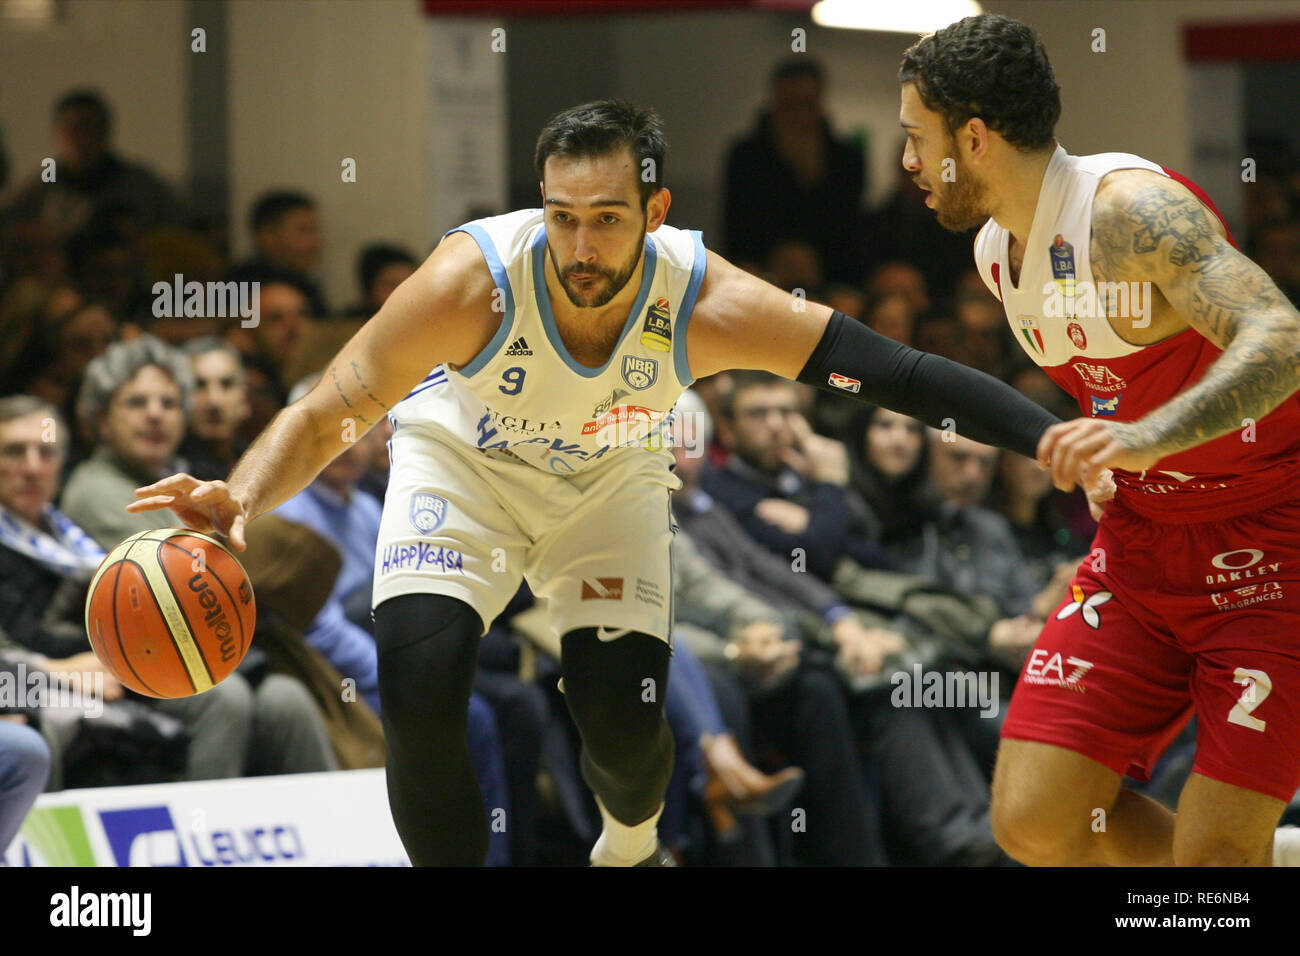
<point x="1160" y="233"/>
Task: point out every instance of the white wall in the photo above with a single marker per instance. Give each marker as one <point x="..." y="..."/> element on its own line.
<point x="136" y="53"/>
<point x="313" y="82"/>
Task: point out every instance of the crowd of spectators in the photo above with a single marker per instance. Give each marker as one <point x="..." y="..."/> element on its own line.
<point x="824" y="546"/>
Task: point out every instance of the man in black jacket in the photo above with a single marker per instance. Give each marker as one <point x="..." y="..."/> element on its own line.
<point x="811" y="183"/>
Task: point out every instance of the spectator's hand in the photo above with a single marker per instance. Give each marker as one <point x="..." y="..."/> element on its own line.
<point x="1101" y="492"/>
<point x="786" y="515"/>
<point x="1015" y="633"/>
<point x="205" y="506"/>
<point x="79" y="670"/>
<point x="816" y="457"/>
<point x="1046" y="599"/>
<point x="761" y="652"/>
<point x="863" y="649"/>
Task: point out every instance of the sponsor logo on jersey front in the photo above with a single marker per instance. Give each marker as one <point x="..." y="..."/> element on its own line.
<point x="602" y="589"/>
<point x="623" y="415"/>
<point x="640" y="373"/>
<point x="427" y="512"/>
<point x="657" y="331"/>
<point x="519" y="348"/>
<point x="844" y="382"/>
<point x="1105" y="407"/>
<point x="1099" y="378"/>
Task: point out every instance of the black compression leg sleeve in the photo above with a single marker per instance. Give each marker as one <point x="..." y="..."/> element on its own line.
<point x="627" y="748"/>
<point x="428" y="649"/>
<point x="852" y="358"/>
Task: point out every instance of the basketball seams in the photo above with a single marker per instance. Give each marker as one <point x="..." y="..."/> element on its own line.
<point x="244" y="637"/>
<point x="117" y="629"/>
<point x="189" y="628"/>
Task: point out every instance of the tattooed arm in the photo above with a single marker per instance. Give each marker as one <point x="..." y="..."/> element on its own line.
<point x="1149" y="228"/>
<point x="441" y="313"/>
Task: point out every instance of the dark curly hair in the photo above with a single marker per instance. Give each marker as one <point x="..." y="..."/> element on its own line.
<point x="604" y="127"/>
<point x="992" y="67"/>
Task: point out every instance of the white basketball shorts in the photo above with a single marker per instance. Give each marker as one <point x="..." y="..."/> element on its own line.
<point x="593" y="546"/>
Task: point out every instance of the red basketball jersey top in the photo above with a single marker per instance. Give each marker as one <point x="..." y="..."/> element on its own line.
<point x="1060" y="318"/>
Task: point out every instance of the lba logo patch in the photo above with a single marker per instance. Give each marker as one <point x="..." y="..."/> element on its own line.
<point x="427" y="512"/>
<point x="640" y="372"/>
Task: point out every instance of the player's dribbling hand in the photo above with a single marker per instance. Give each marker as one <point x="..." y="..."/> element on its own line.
<point x="1078" y="450"/>
<point x="206" y="506"/>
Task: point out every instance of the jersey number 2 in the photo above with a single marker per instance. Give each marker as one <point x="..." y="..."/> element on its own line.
<point x="513" y="377"/>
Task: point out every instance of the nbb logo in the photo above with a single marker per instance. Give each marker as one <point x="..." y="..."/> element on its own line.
<point x="146" y="836"/>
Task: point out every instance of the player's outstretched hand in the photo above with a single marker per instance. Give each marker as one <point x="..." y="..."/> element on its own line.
<point x="205" y="506"/>
<point x="1078" y="450"/>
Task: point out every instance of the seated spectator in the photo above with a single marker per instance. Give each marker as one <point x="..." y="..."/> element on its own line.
<point x="944" y="821"/>
<point x="971" y="550"/>
<point x="893" y="317"/>
<point x="987" y="336"/>
<point x="68" y="344"/>
<point x="47" y="561"/>
<point x="787" y="486"/>
<point x="889" y="468"/>
<point x="30" y="304"/>
<point x="92" y="178"/>
<point x="24" y="769"/>
<point x="269" y="348"/>
<point x="381" y="268"/>
<point x="105" y="264"/>
<point x="900" y="278"/>
<point x="218" y="407"/>
<point x="286" y="235"/>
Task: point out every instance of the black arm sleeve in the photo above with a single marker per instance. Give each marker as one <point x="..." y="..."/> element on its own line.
<point x="875" y="369"/>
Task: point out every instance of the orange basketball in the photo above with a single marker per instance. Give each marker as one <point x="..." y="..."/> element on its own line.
<point x="170" y="613"/>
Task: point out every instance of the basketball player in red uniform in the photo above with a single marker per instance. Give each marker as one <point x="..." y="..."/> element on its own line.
<point x="1123" y="284"/>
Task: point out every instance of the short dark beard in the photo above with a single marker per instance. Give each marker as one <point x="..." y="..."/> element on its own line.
<point x="962" y="204"/>
<point x="617" y="278"/>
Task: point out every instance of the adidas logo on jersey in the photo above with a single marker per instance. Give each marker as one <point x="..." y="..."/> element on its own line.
<point x="519" y="347"/>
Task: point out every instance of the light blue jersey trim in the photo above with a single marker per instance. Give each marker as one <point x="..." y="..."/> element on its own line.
<point x="687" y="306"/>
<point x="502" y="280"/>
<point x="548" y="317"/>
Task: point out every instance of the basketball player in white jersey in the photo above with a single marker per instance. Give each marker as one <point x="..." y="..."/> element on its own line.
<point x="1120" y="280"/>
<point x="527" y="367"/>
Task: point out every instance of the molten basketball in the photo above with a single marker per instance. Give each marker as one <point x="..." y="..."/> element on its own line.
<point x="170" y="612"/>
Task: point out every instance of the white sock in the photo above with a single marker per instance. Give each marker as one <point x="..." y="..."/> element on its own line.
<point x="1286" y="846"/>
<point x="622" y="845"/>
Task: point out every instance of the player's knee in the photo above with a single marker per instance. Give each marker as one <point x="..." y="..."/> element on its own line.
<point x="427" y="654"/>
<point x="1222" y="849"/>
<point x="1031" y="833"/>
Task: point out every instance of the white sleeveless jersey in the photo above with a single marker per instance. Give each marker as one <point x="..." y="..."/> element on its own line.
<point x="1055" y="311"/>
<point x="524" y="398"/>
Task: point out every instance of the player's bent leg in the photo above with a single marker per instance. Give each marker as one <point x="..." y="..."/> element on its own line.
<point x="1055" y="807"/>
<point x="615" y="691"/>
<point x="1220" y="824"/>
<point x="428" y="647"/>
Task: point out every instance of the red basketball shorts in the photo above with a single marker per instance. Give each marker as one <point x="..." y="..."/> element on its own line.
<point x="1164" y="620"/>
